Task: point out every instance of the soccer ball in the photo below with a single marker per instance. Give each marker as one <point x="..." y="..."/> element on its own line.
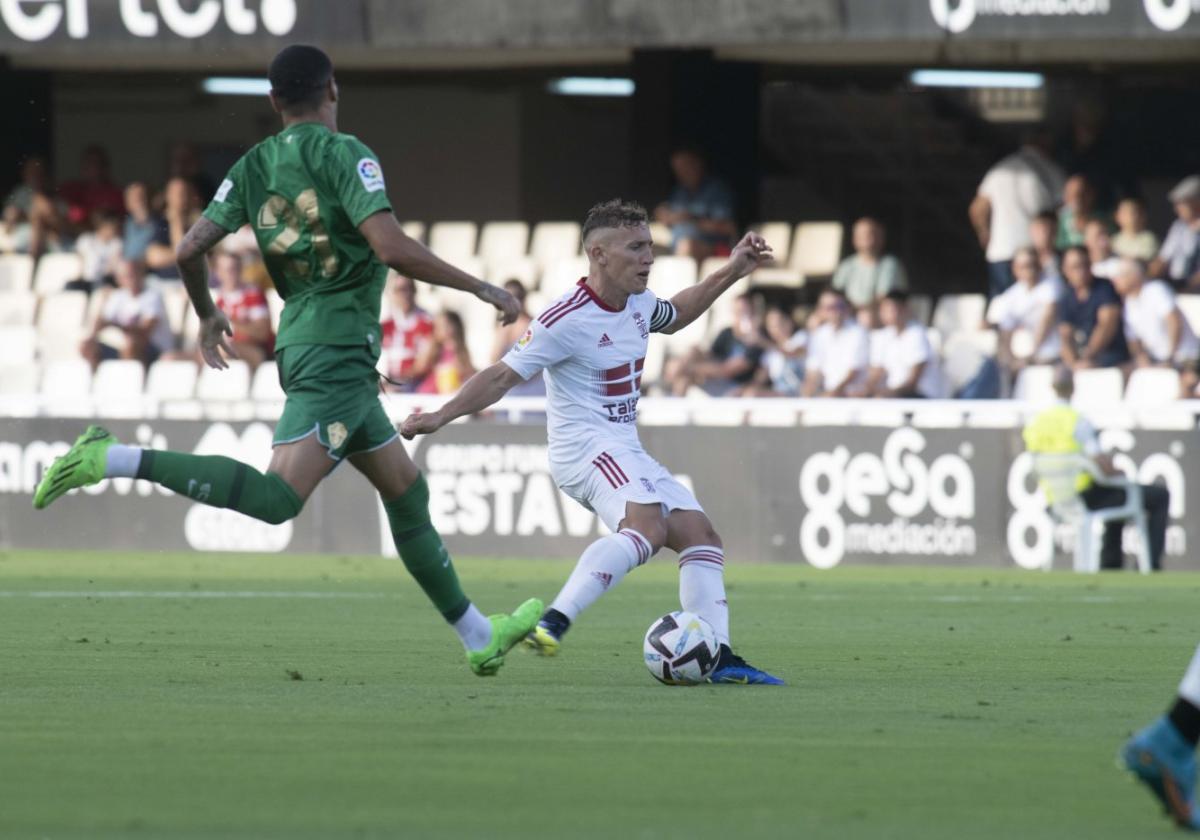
<point x="681" y="649"/>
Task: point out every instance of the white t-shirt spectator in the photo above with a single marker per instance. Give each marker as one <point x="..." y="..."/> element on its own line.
<point x="786" y="371"/>
<point x="1181" y="251"/>
<point x="126" y="310"/>
<point x="1019" y="187"/>
<point x="1146" y="321"/>
<point x="1024" y="307"/>
<point x="1106" y="268"/>
<point x="838" y="352"/>
<point x="899" y="351"/>
<point x="98" y="255"/>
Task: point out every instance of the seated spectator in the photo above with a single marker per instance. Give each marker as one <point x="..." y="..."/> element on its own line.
<point x="407" y="337"/>
<point x="1078" y="208"/>
<point x="507" y="336"/>
<point x="244" y="244"/>
<point x="99" y="251"/>
<point x="34" y="219"/>
<point x="700" y="210"/>
<point x="93" y="190"/>
<point x="1157" y="331"/>
<point x="731" y="363"/>
<point x="838" y="349"/>
<point x="246" y="307"/>
<point x="185" y="163"/>
<point x="1178" y="259"/>
<point x="447" y="356"/>
<point x="1042" y="232"/>
<point x="1030" y="304"/>
<point x="1132" y="239"/>
<point x="781" y="373"/>
<point x="146" y="237"/>
<point x="181" y="210"/>
<point x="1089" y="317"/>
<point x="1099" y="247"/>
<point x="868" y="274"/>
<point x="135" y="310"/>
<point x="904" y="364"/>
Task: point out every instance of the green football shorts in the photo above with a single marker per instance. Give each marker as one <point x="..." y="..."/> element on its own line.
<point x="334" y="393"/>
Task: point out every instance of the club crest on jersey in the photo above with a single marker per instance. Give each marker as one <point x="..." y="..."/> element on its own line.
<point x="642" y="326"/>
<point x="337" y="435"/>
<point x="524" y="341"/>
<point x="370" y="174"/>
<point x="604" y="341"/>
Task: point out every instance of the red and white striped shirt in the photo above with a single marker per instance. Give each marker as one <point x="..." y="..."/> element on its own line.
<point x="404" y="337"/>
<point x="245" y="304"/>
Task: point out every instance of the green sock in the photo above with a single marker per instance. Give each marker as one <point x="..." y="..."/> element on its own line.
<point x="422" y="551"/>
<point x="222" y="482"/>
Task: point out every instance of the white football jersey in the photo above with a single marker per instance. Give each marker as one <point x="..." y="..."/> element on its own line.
<point x="592" y="356"/>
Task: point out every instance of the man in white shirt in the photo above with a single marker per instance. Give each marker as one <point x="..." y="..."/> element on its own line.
<point x="905" y="365"/>
<point x="1011" y="194"/>
<point x="1030" y="304"/>
<point x="1178" y="259"/>
<point x="138" y="312"/>
<point x="839" y="350"/>
<point x="1156" y="330"/>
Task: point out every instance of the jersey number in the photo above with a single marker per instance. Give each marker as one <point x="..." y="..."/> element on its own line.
<point x="298" y="219"/>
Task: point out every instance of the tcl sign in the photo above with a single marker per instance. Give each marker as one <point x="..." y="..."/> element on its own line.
<point x="37" y="20"/>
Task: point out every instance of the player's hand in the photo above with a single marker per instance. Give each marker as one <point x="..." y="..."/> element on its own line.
<point x="213" y="341"/>
<point x="749" y="254"/>
<point x="509" y="306"/>
<point x="421" y="424"/>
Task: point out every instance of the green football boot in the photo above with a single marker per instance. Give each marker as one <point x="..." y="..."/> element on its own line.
<point x="82" y="465"/>
<point x="507" y="630"/>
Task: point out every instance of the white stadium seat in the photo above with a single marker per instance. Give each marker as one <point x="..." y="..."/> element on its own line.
<point x="414" y="230"/>
<point x="788" y="278"/>
<point x="1189" y="305"/>
<point x="661" y="235"/>
<point x="503" y="241"/>
<point x="66" y="388"/>
<point x="265" y="386"/>
<point x="452" y="241"/>
<point x="963" y="353"/>
<point x="17" y="309"/>
<point x="562" y="275"/>
<point x="18" y="345"/>
<point x="554" y="241"/>
<point x="1035" y="384"/>
<point x="668" y="277"/>
<point x="479" y="325"/>
<point x="56" y="270"/>
<point x="20" y="379"/>
<point x="117" y="388"/>
<point x="1098" y="390"/>
<point x="779" y="237"/>
<point x="522" y="269"/>
<point x="60" y="325"/>
<point x="228" y="385"/>
<point x="955" y="313"/>
<point x="175" y="301"/>
<point x="172" y="379"/>
<point x="16" y="273"/>
<point x="1152" y="387"/>
<point x="816" y="248"/>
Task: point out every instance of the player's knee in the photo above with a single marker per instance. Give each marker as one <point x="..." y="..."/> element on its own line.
<point x="654" y="532"/>
<point x="712" y="538"/>
<point x="280" y="502"/>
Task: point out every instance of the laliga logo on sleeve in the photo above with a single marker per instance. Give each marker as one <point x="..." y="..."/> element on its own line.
<point x="370" y="174"/>
<point x="953" y="20"/>
<point x="525" y="339"/>
<point x="1169" y="15"/>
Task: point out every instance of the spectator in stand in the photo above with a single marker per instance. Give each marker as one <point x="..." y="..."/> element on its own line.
<point x="781" y="373"/>
<point x="146" y="237"/>
<point x="1099" y="247"/>
<point x="447" y="355"/>
<point x="34" y="218"/>
<point x="838" y="350"/>
<point x="700" y="211"/>
<point x="1042" y="232"/>
<point x="1030" y="304"/>
<point x="244" y="243"/>
<point x="868" y="274"/>
<point x="1132" y="239"/>
<point x="507" y="336"/>
<point x="246" y="307"/>
<point x="1179" y="258"/>
<point x="731" y="363"/>
<point x="407" y="337"/>
<point x="1157" y="331"/>
<point x="100" y="251"/>
<point x="181" y="210"/>
<point x="906" y="365"/>
<point x="185" y="163"/>
<point x="93" y="190"/>
<point x="1012" y="193"/>
<point x="135" y="310"/>
<point x="1089" y="317"/>
<point x="1078" y="208"/>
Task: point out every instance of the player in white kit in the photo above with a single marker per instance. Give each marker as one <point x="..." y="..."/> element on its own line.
<point x="591" y="343"/>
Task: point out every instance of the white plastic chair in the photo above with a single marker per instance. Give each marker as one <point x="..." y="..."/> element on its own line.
<point x="1189" y="305"/>
<point x="66" y="388"/>
<point x="554" y="241"/>
<point x="1152" y="387"/>
<point x="963" y="353"/>
<point x="16" y="272"/>
<point x="60" y="325"/>
<point x="956" y="313"/>
<point x="230" y="385"/>
<point x="56" y="270"/>
<point x="502" y="241"/>
<point x="1035" y="384"/>
<point x="1057" y="474"/>
<point x="20" y="379"/>
<point x="660" y="234"/>
<point x="562" y="275"/>
<point x="816" y="248"/>
<point x="1098" y="391"/>
<point x="117" y="388"/>
<point x="779" y="237"/>
<point x="453" y="241"/>
<point x="414" y="230"/>
<point x="265" y="386"/>
<point x="172" y="379"/>
<point x="18" y="345"/>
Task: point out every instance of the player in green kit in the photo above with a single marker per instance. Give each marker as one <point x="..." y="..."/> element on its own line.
<point x="317" y="202"/>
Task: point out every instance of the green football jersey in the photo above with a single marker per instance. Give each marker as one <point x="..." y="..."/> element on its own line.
<point x="305" y="191"/>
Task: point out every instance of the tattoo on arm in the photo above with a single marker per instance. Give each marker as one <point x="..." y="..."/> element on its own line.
<point x="201" y="239"/>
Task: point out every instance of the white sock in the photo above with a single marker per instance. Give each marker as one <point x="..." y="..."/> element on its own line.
<point x="702" y="587"/>
<point x="1189" y="689"/>
<point x="600" y="567"/>
<point x="122" y="461"/>
<point x="474" y="629"/>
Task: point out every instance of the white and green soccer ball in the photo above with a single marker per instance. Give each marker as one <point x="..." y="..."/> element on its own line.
<point x="680" y="649"/>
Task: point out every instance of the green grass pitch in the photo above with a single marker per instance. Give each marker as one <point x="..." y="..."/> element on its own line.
<point x="198" y="695"/>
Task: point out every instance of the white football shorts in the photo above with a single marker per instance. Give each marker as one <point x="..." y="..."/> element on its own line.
<point x="619" y="476"/>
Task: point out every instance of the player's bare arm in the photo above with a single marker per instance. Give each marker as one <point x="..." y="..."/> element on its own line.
<point x="214" y="326"/>
<point x="400" y="251"/>
<point x="691" y="303"/>
<point x="480" y="391"/>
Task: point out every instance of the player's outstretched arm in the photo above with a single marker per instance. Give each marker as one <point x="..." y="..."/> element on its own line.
<point x="400" y="251"/>
<point x="214" y="326"/>
<point x="481" y="390"/>
<point x="693" y="302"/>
